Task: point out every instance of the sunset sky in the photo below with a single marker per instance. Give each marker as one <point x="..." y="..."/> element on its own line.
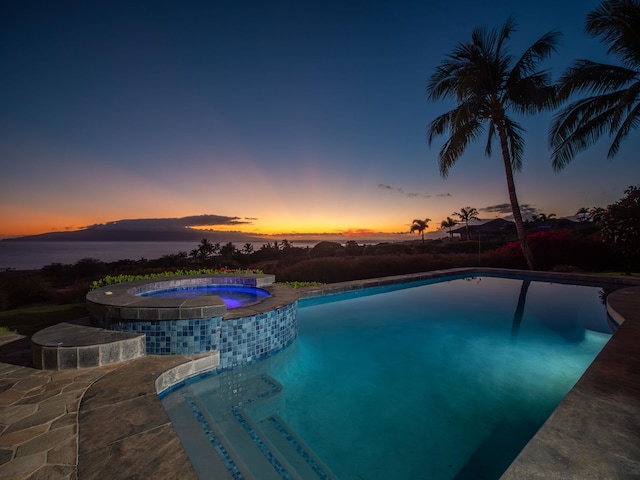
<point x="293" y="117"/>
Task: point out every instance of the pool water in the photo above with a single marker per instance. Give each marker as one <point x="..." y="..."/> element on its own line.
<point x="233" y="296"/>
<point x="446" y="380"/>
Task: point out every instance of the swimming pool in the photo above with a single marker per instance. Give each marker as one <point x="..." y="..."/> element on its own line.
<point x="442" y="380"/>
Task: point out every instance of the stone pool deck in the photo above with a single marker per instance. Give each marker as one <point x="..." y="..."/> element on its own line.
<point x="108" y="421"/>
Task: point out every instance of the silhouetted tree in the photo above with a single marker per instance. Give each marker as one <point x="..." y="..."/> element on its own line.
<point x="613" y="104"/>
<point x="596" y="213"/>
<point x="620" y="226"/>
<point x="420" y="226"/>
<point x="205" y="250"/>
<point x="449" y="223"/>
<point x="465" y="214"/>
<point x="582" y="214"/>
<point x="481" y="76"/>
<point x="228" y="250"/>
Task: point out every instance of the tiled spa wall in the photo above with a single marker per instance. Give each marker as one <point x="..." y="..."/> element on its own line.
<point x="244" y="340"/>
<point x="239" y="341"/>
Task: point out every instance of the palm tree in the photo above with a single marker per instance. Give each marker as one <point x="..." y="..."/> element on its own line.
<point x="420" y="226"/>
<point x="228" y="250"/>
<point x="206" y="249"/>
<point x="596" y="214"/>
<point x="465" y="214"/>
<point x="449" y="223"/>
<point x="613" y="101"/>
<point x="485" y="81"/>
<point x="582" y="214"/>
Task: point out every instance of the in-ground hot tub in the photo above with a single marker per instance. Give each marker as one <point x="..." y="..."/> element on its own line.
<point x="177" y="324"/>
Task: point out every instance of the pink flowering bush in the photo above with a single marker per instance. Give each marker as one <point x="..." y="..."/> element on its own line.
<point x="561" y="248"/>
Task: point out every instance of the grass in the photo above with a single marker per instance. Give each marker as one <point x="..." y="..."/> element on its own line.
<point x="27" y="321"/>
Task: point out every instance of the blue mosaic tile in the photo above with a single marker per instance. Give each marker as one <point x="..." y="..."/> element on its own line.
<point x="229" y="464"/>
<point x="240" y="341"/>
<point x="317" y="469"/>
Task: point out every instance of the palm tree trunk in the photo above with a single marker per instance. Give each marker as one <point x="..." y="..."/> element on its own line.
<point x="513" y="198"/>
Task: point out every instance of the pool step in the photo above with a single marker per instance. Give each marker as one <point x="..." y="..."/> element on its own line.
<point x="248" y="448"/>
<point x="301" y="457"/>
<point x="78" y="344"/>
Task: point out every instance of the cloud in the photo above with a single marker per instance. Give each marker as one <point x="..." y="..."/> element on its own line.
<point x="169" y="224"/>
<point x="401" y="191"/>
<point x="505" y="209"/>
<point x="500" y="208"/>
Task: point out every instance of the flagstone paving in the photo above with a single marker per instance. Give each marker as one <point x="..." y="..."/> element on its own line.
<point x="66" y="425"/>
<point x="39" y="415"/>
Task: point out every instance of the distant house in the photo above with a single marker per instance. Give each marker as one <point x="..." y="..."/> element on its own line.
<point x="486" y="229"/>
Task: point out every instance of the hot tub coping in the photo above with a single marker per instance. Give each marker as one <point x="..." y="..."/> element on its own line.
<point x="122" y="301"/>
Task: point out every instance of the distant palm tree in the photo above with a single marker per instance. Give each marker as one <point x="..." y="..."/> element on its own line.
<point x="228" y="250"/>
<point x="596" y="213"/>
<point x="247" y="249"/>
<point x="206" y="249"/>
<point x="449" y="223"/>
<point x="286" y="245"/>
<point x="420" y="226"/>
<point x="482" y="77"/>
<point x="465" y="214"/>
<point x="613" y="104"/>
<point x="582" y="214"/>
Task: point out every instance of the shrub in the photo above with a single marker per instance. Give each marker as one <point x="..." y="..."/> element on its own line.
<point x="562" y="248"/>
<point x="328" y="249"/>
<point x="18" y="289"/>
<point x="389" y="249"/>
<point x="330" y="270"/>
<point x="620" y="226"/>
<point x="112" y="280"/>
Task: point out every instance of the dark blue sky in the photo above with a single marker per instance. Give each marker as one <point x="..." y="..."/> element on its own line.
<point x="299" y="116"/>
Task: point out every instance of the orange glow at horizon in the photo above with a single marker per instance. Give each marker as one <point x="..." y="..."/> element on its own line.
<point x="23" y="222"/>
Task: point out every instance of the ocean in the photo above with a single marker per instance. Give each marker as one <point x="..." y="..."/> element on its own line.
<point x="26" y="255"/>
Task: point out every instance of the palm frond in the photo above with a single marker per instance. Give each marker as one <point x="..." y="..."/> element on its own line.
<point x="456" y="144"/>
<point x="443" y="83"/>
<point x="507" y="29"/>
<point x="625" y="99"/>
<point x="592" y="78"/>
<point x="617" y="23"/>
<point x="440" y="125"/>
<point x="580" y="125"/>
<point x="530" y="60"/>
<point x="533" y="94"/>
<point x="632" y="121"/>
